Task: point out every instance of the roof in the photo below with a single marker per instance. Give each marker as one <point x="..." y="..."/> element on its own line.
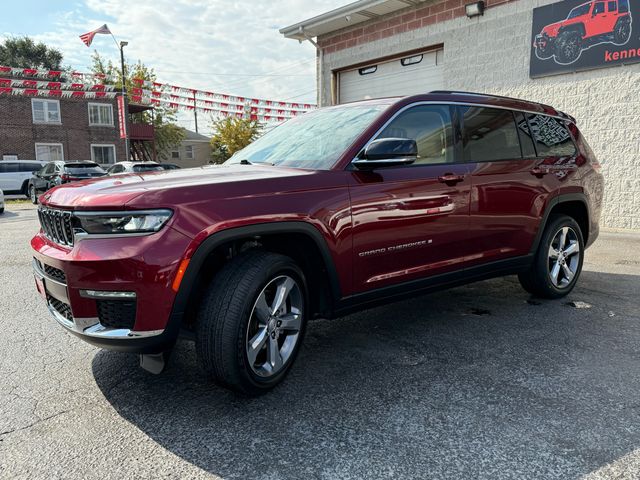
<point x="351" y="14"/>
<point x="193" y="136"/>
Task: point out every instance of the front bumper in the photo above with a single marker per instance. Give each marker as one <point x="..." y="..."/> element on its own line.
<point x="143" y="265"/>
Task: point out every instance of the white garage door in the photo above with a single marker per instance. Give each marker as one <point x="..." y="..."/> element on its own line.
<point x="410" y="75"/>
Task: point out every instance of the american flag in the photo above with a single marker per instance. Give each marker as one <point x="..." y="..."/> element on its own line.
<point x="87" y="38"/>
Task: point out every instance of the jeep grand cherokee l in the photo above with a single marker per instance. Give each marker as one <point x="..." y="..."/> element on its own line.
<point x="337" y="210"/>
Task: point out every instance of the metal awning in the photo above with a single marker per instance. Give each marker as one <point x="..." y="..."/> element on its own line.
<point x="351" y="14"/>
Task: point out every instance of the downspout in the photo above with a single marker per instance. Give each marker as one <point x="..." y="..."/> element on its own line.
<point x="320" y="62"/>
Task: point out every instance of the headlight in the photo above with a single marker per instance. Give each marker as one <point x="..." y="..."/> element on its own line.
<point x="122" y="223"/>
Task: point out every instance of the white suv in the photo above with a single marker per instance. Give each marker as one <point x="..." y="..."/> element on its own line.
<point x="15" y="175"/>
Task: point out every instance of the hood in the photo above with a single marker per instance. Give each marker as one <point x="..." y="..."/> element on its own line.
<point x="119" y="190"/>
<point x="552" y="29"/>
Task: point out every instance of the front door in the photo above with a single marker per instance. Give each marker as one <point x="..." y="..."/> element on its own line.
<point x="411" y="221"/>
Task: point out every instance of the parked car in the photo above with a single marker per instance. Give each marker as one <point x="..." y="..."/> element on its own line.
<point x="15" y="175"/>
<point x="58" y="173"/>
<point x="170" y="166"/>
<point x="134" y="167"/>
<point x="334" y="211"/>
<point x="587" y="24"/>
<point x="1" y="202"/>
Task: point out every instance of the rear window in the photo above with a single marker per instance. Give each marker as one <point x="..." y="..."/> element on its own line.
<point x="490" y="134"/>
<point x="8" y="167"/>
<point x="83" y="168"/>
<point x="551" y="137"/>
<point x="146" y="168"/>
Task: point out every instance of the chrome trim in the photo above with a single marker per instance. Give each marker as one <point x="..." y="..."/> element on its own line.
<point x="80" y="235"/>
<point x="124" y="213"/>
<point x="464" y="104"/>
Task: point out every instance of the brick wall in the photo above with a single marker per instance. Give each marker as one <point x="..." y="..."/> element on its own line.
<point x="19" y="134"/>
<point x="491" y="54"/>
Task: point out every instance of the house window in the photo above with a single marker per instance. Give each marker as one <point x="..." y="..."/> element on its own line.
<point x="49" y="152"/>
<point x="103" y="154"/>
<point x="101" y="114"/>
<point x="175" y="154"/>
<point x="45" y="111"/>
<point x="10" y="157"/>
<point x="188" y="152"/>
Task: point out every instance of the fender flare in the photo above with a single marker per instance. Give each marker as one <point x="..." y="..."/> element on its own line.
<point x="567" y="197"/>
<point x="224" y="236"/>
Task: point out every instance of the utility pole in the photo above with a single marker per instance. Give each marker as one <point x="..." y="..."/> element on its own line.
<point x="195" y="110"/>
<point x="124" y="95"/>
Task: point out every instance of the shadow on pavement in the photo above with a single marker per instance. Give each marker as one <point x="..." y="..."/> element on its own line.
<point x="471" y="382"/>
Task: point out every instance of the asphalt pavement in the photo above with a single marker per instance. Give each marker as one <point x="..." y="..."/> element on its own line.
<point x="481" y="381"/>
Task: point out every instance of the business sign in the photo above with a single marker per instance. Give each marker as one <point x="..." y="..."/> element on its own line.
<point x="572" y="35"/>
<point x="122" y="117"/>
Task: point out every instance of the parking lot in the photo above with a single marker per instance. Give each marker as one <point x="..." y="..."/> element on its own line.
<point x="476" y="382"/>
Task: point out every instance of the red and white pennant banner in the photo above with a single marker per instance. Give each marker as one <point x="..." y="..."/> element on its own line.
<point x="54" y="74"/>
<point x="52" y="85"/>
<point x="34" y="92"/>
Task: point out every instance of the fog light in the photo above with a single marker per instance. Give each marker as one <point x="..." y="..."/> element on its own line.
<point x="102" y="294"/>
<point x="474" y="9"/>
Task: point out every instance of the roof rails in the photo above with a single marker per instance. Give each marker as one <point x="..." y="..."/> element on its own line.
<point x="476" y="94"/>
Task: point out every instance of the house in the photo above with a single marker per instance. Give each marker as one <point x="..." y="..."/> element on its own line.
<point x="557" y="53"/>
<point x="193" y="151"/>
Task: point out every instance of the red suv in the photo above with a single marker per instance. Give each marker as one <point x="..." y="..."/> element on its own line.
<point x="338" y="210"/>
<point x="586" y="25"/>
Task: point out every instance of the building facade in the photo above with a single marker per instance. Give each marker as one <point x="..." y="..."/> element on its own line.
<point x="374" y="48"/>
<point x="194" y="151"/>
<point x="38" y="128"/>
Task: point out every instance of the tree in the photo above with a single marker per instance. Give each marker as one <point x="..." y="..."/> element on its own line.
<point x="23" y="52"/>
<point x="167" y="133"/>
<point x="233" y="134"/>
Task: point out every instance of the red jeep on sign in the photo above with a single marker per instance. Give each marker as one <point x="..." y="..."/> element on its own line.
<point x="334" y="211"/>
<point x="586" y="25"/>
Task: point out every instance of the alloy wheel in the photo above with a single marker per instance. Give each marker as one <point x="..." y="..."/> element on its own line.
<point x="564" y="257"/>
<point x="274" y="326"/>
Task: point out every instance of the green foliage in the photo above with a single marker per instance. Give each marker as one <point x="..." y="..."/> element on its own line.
<point x="168" y="135"/>
<point x="23" y="52"/>
<point x="232" y="134"/>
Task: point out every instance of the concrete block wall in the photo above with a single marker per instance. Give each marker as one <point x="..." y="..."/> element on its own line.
<point x="491" y="54"/>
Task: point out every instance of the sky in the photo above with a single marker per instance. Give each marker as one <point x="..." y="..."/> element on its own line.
<point x="227" y="46"/>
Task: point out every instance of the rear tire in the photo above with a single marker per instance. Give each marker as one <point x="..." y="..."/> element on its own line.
<point x="246" y="338"/>
<point x="622" y="32"/>
<point x="33" y="196"/>
<point x="558" y="261"/>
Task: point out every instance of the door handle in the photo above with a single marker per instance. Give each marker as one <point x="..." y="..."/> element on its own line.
<point x="450" y="178"/>
<point x="539" y="171"/>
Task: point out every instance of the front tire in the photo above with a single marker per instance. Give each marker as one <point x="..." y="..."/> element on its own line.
<point x="558" y="261"/>
<point x="33" y="196"/>
<point x="251" y="322"/>
<point x="568" y="47"/>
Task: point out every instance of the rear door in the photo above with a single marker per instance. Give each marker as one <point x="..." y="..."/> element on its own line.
<point x="412" y="221"/>
<point x="9" y="176"/>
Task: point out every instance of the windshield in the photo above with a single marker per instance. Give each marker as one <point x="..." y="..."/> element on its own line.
<point x="579" y="10"/>
<point x="314" y="140"/>
<point x="147" y="168"/>
<point x="83" y="168"/>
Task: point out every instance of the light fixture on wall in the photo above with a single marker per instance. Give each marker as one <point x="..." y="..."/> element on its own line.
<point x="474" y="9"/>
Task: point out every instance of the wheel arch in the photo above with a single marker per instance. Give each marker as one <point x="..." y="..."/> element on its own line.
<point x="574" y="205"/>
<point x="292" y="238"/>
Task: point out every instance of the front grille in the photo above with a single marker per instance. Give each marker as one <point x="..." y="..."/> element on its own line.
<point x="60" y="307"/>
<point x="56" y="225"/>
<point x="117" y="313"/>
<point x="55" y="273"/>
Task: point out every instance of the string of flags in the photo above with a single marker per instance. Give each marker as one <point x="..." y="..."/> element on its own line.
<point x="56" y="83"/>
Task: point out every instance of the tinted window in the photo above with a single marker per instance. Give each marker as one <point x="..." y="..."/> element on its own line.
<point x="8" y="167"/>
<point x="490" y="134"/>
<point x="526" y="142"/>
<point x="50" y="168"/>
<point x="146" y="168"/>
<point x="83" y="168"/>
<point x="580" y="10"/>
<point x="29" y="167"/>
<point x="611" y="7"/>
<point x="623" y="6"/>
<point x="430" y="126"/>
<point x="599" y="8"/>
<point x="551" y="137"/>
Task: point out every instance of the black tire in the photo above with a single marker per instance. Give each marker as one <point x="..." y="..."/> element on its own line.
<point x="33" y="195"/>
<point x="537" y="280"/>
<point x="622" y="32"/>
<point x="225" y="316"/>
<point x="25" y="188"/>
<point x="1" y="210"/>
<point x="545" y="53"/>
<point x="568" y="46"/>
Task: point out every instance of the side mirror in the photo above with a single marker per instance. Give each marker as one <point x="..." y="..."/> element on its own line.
<point x="388" y="152"/>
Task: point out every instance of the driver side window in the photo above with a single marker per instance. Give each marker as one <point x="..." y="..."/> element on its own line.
<point x="430" y="126"/>
<point x="599" y="8"/>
